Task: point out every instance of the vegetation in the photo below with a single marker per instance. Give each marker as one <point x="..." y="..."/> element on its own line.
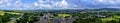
<point x="86" y="16"/>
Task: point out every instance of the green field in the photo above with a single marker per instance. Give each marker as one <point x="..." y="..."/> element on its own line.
<point x="76" y="17"/>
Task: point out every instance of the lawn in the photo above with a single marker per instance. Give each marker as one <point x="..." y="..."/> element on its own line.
<point x="2" y="13"/>
<point x="63" y="15"/>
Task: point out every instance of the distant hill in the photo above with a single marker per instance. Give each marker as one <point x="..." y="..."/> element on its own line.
<point x="106" y="9"/>
<point x="64" y="10"/>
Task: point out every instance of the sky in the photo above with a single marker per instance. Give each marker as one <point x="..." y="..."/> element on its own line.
<point x="57" y="4"/>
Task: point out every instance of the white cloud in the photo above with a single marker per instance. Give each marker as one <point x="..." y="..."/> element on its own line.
<point x="109" y="1"/>
<point x="8" y="4"/>
<point x="101" y="0"/>
<point x="52" y="4"/>
<point x="5" y="3"/>
<point x="62" y="4"/>
<point x="1" y="2"/>
<point x="27" y="6"/>
<point x="112" y="1"/>
<point x="48" y="4"/>
<point x="36" y="4"/>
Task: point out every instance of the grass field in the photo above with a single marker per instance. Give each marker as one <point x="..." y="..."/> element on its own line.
<point x="2" y="13"/>
<point x="64" y="15"/>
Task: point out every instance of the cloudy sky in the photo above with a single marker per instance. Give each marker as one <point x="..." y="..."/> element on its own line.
<point x="57" y="4"/>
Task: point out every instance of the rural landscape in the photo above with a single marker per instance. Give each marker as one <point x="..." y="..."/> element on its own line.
<point x="104" y="15"/>
<point x="59" y="11"/>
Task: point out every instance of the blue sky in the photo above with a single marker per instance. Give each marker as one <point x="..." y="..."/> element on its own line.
<point x="57" y="4"/>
